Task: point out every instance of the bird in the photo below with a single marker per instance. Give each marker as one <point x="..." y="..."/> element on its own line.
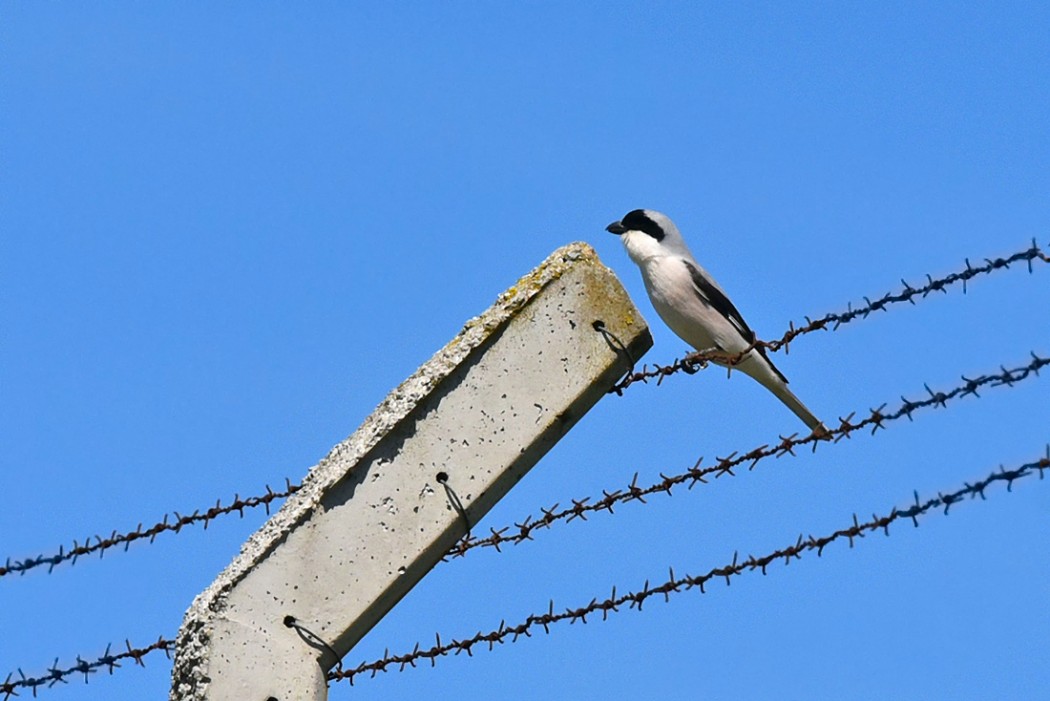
<point x="695" y="307"/>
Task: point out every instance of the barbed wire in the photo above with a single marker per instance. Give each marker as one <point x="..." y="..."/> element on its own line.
<point x="635" y="599"/>
<point x="876" y="419"/>
<point x="676" y="584"/>
<point x="10" y="686"/>
<point x="694" y="362"/>
<point x="176" y="523"/>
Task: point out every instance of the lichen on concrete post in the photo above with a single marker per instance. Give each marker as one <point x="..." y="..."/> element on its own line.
<point x="373" y="517"/>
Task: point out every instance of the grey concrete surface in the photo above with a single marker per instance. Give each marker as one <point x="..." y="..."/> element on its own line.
<point x="373" y="518"/>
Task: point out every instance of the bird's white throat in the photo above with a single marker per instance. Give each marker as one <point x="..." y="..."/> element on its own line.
<point x="641" y="247"/>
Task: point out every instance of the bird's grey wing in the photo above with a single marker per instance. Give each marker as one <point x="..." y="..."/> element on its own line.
<point x="716" y="299"/>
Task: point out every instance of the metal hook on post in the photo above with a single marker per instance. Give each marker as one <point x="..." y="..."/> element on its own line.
<point x="615" y="343"/>
<point x="453" y="499"/>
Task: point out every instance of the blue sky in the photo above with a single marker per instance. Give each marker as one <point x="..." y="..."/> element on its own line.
<point x="227" y="231"/>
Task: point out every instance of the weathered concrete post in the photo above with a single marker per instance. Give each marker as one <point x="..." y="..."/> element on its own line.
<point x="373" y="517"/>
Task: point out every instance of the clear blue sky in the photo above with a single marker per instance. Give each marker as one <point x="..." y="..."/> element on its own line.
<point x="228" y="230"/>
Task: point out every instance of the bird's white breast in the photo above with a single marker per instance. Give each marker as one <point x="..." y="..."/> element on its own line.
<point x="671" y="290"/>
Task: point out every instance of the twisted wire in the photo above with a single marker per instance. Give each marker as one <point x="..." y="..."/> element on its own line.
<point x="175" y="522"/>
<point x="877" y="418"/>
<point x="677" y="584"/>
<point x="108" y="661"/>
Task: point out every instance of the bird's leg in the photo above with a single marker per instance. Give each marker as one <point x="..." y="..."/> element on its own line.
<point x="728" y="360"/>
<point x="691" y="367"/>
<point x="700" y="358"/>
<point x="713" y="352"/>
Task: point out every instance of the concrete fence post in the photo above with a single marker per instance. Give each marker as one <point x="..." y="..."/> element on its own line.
<point x="373" y="517"/>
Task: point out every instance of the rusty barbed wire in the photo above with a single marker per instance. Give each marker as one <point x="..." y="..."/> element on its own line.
<point x="579" y="509"/>
<point x="176" y="523"/>
<point x="10" y="686"/>
<point x="635" y="599"/>
<point x="676" y="584"/>
<point x="693" y="362"/>
<point x="876" y="419"/>
<point x="690" y="363"/>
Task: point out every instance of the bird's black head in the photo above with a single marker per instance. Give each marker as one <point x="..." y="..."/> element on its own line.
<point x="637" y="220"/>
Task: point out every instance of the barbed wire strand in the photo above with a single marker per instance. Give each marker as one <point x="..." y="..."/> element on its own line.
<point x="1008" y="377"/>
<point x="693" y="362"/>
<point x="109" y="661"/>
<point x="878" y="418"/>
<point x="175" y="522"/>
<point x="634" y="599"/>
<point x="677" y="584"/>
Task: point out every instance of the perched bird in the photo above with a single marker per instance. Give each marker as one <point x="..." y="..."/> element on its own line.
<point x="693" y="305"/>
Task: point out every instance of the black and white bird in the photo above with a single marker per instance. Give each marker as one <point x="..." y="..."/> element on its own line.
<point x="693" y="305"/>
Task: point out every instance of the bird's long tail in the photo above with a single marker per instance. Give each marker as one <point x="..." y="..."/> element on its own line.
<point x="795" y="404"/>
<point x="763" y="370"/>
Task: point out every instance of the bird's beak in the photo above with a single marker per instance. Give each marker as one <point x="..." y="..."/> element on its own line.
<point x="616" y="228"/>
